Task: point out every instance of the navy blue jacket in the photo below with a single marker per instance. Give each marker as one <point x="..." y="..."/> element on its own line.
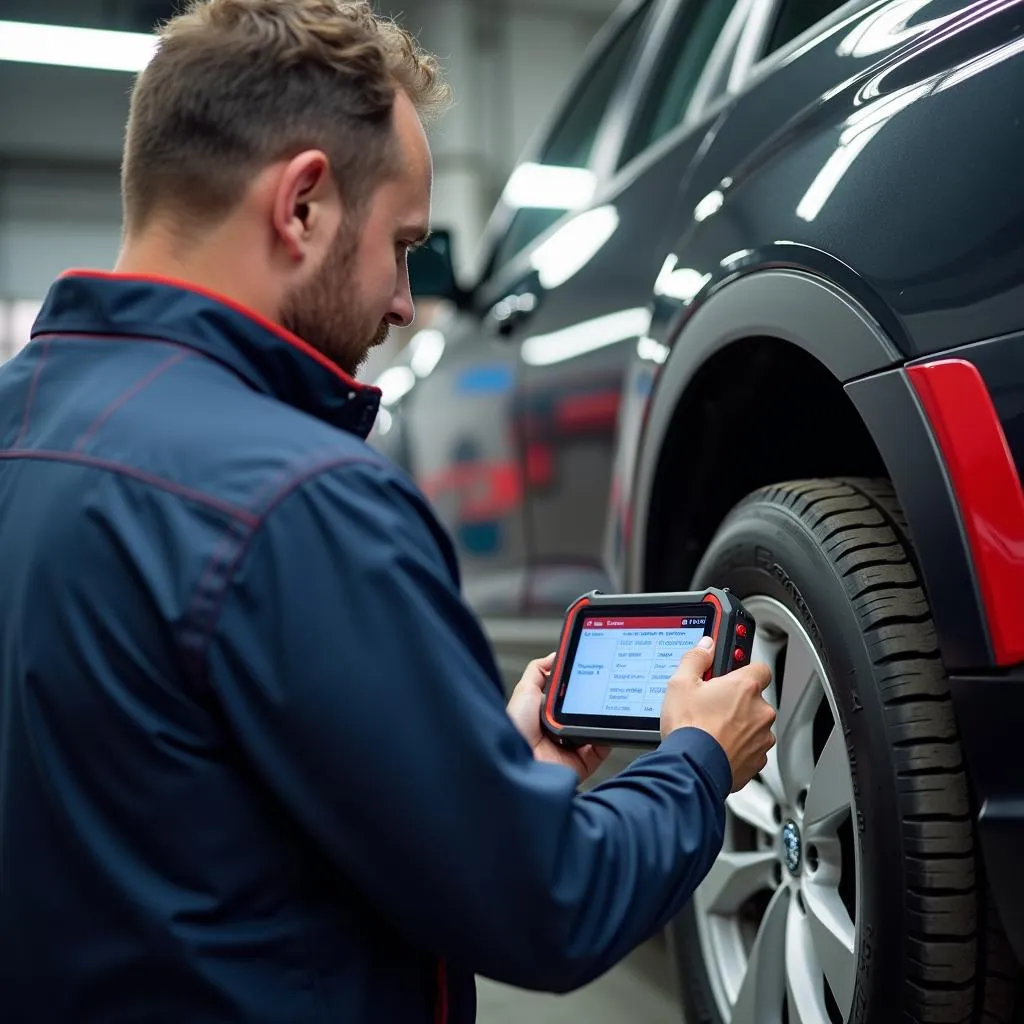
<point x="255" y="764"/>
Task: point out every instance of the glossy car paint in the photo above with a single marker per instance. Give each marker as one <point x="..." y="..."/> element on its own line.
<point x="845" y="208"/>
<point x="815" y="168"/>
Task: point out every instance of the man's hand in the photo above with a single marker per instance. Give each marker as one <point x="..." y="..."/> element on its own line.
<point x="731" y="708"/>
<point x="524" y="710"/>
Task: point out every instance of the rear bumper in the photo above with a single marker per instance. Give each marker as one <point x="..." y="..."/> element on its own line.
<point x="990" y="716"/>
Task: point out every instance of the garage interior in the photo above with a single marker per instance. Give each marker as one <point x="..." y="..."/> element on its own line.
<point x="61" y="129"/>
<point x="61" y="132"/>
<point x="747" y="159"/>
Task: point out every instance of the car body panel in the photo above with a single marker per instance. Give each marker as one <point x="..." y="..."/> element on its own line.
<point x="743" y="221"/>
<point x="819" y="140"/>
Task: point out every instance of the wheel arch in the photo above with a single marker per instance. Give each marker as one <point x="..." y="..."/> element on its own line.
<point x="780" y="375"/>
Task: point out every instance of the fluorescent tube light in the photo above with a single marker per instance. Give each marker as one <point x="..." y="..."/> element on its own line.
<point x="65" y="46"/>
<point x="394" y="384"/>
<point x="427" y="348"/>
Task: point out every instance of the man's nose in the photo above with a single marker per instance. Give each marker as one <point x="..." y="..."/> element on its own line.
<point x="403" y="308"/>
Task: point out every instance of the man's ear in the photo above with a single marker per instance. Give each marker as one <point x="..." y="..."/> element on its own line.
<point x="306" y="207"/>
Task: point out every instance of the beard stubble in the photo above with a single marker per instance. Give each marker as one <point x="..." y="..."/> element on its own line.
<point x="325" y="312"/>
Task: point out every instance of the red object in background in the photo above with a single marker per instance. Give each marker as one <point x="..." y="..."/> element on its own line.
<point x="540" y="466"/>
<point x="987" y="488"/>
<point x="595" y="411"/>
<point x="486" y="491"/>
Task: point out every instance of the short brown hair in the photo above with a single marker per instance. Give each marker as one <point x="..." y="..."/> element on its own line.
<point x="237" y="84"/>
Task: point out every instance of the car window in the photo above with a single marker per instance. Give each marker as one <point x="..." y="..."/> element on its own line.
<point x="796" y="16"/>
<point x="679" y="70"/>
<point x="544" y="191"/>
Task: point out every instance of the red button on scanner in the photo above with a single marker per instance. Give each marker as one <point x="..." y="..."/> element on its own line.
<point x="739" y="654"/>
<point x="741" y="631"/>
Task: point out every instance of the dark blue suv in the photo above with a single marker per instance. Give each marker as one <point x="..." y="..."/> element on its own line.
<point x="750" y="313"/>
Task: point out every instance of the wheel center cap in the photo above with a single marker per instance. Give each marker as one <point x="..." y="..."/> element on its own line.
<point x="791" y="846"/>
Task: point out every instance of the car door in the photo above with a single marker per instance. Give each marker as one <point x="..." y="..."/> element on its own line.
<point x="452" y="415"/>
<point x="543" y="196"/>
<point x="446" y="417"/>
<point x="585" y="285"/>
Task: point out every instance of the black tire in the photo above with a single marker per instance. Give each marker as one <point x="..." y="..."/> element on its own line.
<point x="836" y="554"/>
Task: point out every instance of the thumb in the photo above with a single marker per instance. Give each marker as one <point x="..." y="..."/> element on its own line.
<point x="529" y="692"/>
<point x="696" y="662"/>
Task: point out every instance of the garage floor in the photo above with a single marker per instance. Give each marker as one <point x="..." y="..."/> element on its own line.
<point x="638" y="991"/>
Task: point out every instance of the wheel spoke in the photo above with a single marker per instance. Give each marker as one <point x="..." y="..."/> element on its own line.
<point x="832" y="932"/>
<point x="771" y="776"/>
<point x="805" y="983"/>
<point x="760" y="997"/>
<point x="805" y="951"/>
<point x="801" y="693"/>
<point x="830" y="794"/>
<point x="767" y="649"/>
<point x="755" y="804"/>
<point x="733" y="879"/>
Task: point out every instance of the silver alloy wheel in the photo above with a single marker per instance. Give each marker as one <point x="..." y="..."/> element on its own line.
<point x="777" y="915"/>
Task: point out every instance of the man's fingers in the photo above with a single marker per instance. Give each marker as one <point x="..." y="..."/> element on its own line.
<point x="592" y="757"/>
<point x="696" y="662"/>
<point x="543" y="665"/>
<point x="757" y="676"/>
<point x="537" y="672"/>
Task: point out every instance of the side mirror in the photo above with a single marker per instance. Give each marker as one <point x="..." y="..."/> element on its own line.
<point x="432" y="270"/>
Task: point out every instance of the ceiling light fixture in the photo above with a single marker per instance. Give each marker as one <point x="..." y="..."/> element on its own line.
<point x="66" y="46"/>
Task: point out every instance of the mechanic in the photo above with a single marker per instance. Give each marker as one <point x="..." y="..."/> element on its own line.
<point x="255" y="759"/>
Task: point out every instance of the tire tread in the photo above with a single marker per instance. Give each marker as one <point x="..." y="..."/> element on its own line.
<point x="956" y="963"/>
<point x="860" y="526"/>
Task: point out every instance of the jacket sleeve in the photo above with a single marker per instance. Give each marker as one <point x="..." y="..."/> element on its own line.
<point x="363" y="691"/>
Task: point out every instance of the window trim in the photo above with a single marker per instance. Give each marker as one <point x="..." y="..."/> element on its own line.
<point x="612" y="178"/>
<point x="735" y="65"/>
<point x="752" y="43"/>
<point x="758" y="64"/>
<point x="704" y="89"/>
<point x="500" y="221"/>
<point x="708" y="96"/>
<point x="632" y="98"/>
<point x="713" y="87"/>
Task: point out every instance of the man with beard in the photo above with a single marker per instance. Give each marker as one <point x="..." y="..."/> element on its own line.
<point x="255" y="762"/>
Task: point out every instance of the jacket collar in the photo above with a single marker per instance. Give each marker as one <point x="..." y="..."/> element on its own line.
<point x="269" y="358"/>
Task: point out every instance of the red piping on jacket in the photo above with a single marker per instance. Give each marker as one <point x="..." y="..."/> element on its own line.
<point x="441" y="1010"/>
<point x="285" y="335"/>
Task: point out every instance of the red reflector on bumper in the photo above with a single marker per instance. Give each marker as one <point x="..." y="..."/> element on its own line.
<point x="988" y="490"/>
